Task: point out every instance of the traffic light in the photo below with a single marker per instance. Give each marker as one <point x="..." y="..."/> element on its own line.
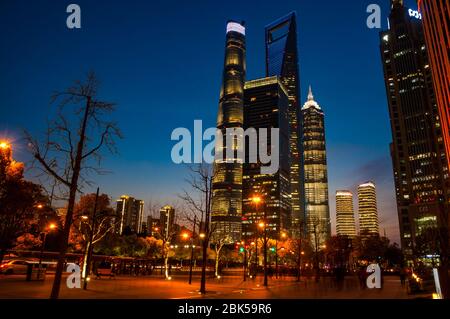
<point x="272" y="249"/>
<point x="241" y="250"/>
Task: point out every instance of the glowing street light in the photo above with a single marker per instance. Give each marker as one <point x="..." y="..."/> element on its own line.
<point x="202" y="235"/>
<point x="50" y="227"/>
<point x="185" y="236"/>
<point x="4" y="145"/>
<point x="256" y="199"/>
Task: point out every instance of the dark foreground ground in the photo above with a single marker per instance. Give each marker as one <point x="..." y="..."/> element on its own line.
<point x="230" y="287"/>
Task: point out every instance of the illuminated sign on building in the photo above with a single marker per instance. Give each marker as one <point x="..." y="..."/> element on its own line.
<point x="415" y="14"/>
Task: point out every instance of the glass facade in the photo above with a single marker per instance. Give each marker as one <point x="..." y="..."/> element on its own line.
<point x="282" y="61"/>
<point x="436" y="24"/>
<point x="315" y="172"/>
<point x="265" y="106"/>
<point x="226" y="211"/>
<point x="367" y="210"/>
<point x="345" y="216"/>
<point x="417" y="149"/>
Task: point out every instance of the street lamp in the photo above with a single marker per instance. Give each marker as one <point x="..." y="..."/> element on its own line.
<point x="5" y="145"/>
<point x="263" y="224"/>
<point x="50" y="227"/>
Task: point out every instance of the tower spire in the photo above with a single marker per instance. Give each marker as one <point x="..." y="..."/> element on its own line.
<point x="310" y="94"/>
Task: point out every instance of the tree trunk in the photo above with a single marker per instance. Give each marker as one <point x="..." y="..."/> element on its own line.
<point x="217" y="263"/>
<point x="85" y="261"/>
<point x="166" y="266"/>
<point x="2" y="254"/>
<point x="72" y="195"/>
<point x="204" y="261"/>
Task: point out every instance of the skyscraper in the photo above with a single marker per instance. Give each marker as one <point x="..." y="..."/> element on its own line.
<point x="436" y="24"/>
<point x="130" y="214"/>
<point x="166" y="220"/>
<point x="367" y="209"/>
<point x="345" y="217"/>
<point x="226" y="211"/>
<point x="315" y="169"/>
<point x="282" y="61"/>
<point x="265" y="106"/>
<point x="417" y="149"/>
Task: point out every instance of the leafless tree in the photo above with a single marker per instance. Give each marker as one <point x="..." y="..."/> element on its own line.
<point x="317" y="231"/>
<point x="219" y="243"/>
<point x="166" y="235"/>
<point x="71" y="149"/>
<point x="197" y="204"/>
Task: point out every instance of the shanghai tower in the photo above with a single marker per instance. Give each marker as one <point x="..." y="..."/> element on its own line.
<point x="282" y="61"/>
<point x="226" y="213"/>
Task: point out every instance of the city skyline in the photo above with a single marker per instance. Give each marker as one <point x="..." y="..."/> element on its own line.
<point x="351" y="160"/>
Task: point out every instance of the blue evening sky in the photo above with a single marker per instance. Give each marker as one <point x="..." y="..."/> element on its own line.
<point x="161" y="62"/>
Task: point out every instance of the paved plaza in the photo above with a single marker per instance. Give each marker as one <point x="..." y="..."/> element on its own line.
<point x="229" y="287"/>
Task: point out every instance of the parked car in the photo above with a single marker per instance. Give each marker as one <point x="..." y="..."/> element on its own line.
<point x="14" y="267"/>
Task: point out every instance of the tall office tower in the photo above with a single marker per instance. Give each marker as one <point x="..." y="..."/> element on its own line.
<point x="367" y="209"/>
<point x="130" y="213"/>
<point x="282" y="61"/>
<point x="265" y="106"/>
<point x="166" y="220"/>
<point x="315" y="169"/>
<point x="436" y="25"/>
<point x="345" y="217"/>
<point x="417" y="148"/>
<point x="226" y="211"/>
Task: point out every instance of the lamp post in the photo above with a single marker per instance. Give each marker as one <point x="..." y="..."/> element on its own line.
<point x="50" y="227"/>
<point x="191" y="238"/>
<point x="263" y="225"/>
<point x="192" y="251"/>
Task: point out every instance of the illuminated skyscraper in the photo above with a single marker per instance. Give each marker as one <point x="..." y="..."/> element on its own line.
<point x="436" y="24"/>
<point x="417" y="149"/>
<point x="226" y="211"/>
<point x="315" y="170"/>
<point x="166" y="220"/>
<point x="265" y="106"/>
<point x="345" y="217"/>
<point x="367" y="209"/>
<point x="130" y="214"/>
<point x="282" y="61"/>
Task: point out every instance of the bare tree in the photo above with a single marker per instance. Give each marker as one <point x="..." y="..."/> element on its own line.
<point x="317" y="236"/>
<point x="198" y="204"/>
<point x="93" y="228"/>
<point x="219" y="243"/>
<point x="71" y="149"/>
<point x="166" y="235"/>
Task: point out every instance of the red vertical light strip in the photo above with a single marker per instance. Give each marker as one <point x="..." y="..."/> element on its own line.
<point x="436" y="17"/>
